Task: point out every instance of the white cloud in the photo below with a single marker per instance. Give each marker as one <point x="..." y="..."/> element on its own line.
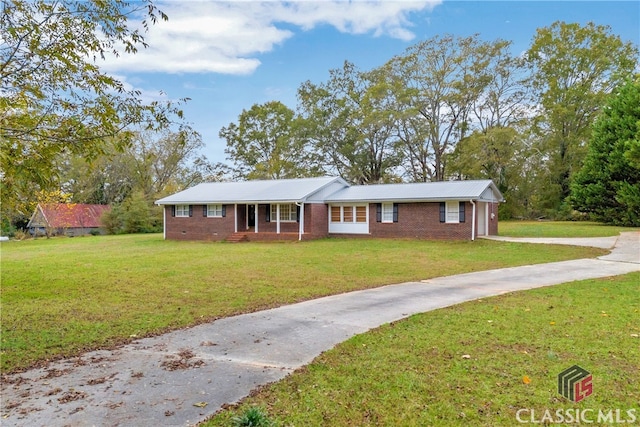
<point x="225" y="37"/>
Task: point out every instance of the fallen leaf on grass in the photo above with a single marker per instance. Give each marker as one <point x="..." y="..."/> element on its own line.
<point x="526" y="379"/>
<point x="466" y="356"/>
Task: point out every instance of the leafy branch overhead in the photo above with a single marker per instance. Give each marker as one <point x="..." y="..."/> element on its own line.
<point x="54" y="97"/>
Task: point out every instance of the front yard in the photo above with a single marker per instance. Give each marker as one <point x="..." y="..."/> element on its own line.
<point x="63" y="296"/>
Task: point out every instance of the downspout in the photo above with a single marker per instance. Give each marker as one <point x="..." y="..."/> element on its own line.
<point x="300" y="220"/>
<point x="164" y="222"/>
<point x="473" y="221"/>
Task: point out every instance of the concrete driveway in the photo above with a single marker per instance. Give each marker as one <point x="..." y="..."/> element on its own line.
<point x="182" y="377"/>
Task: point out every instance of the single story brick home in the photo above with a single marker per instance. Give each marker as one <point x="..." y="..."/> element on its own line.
<point x="312" y="208"/>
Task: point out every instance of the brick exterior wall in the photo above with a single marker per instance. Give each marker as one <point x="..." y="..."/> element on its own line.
<point x="316" y="221"/>
<point x="420" y="221"/>
<point x="199" y="227"/>
<point x="415" y="221"/>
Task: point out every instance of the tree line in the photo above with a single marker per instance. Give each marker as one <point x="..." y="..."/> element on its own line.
<point x="446" y="108"/>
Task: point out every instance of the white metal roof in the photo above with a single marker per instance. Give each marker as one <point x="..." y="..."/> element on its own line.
<point x="298" y="190"/>
<point x="277" y="190"/>
<point x="422" y="191"/>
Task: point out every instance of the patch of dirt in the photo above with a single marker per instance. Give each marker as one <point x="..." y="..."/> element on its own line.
<point x="71" y="396"/>
<point x="183" y="360"/>
<point x="55" y="373"/>
<point x="101" y="380"/>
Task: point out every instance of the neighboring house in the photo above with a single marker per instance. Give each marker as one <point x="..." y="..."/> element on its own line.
<point x="311" y="208"/>
<point x="71" y="219"/>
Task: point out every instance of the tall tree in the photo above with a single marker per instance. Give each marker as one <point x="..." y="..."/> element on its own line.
<point x="153" y="164"/>
<point x="53" y="96"/>
<point x="574" y="69"/>
<point x="349" y="124"/>
<point x="608" y="184"/>
<point x="264" y="144"/>
<point x="437" y="82"/>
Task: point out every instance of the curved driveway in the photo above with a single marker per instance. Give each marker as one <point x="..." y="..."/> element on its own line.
<point x="182" y="377"/>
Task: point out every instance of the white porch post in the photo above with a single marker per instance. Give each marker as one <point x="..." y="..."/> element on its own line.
<point x="256" y="212"/>
<point x="278" y="218"/>
<point x="235" y="217"/>
<point x="164" y="222"/>
<point x="473" y="222"/>
<point x="301" y="222"/>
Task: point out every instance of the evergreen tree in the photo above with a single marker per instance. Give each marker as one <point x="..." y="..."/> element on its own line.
<point x="608" y="185"/>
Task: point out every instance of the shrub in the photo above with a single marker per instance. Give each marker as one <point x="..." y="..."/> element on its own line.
<point x="252" y="417"/>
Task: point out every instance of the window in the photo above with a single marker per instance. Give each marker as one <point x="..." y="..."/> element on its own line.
<point x="214" y="211"/>
<point x="336" y="213"/>
<point x="349" y="213"/>
<point x="288" y="213"/>
<point x="452" y="212"/>
<point x="182" y="210"/>
<point x="387" y="212"/>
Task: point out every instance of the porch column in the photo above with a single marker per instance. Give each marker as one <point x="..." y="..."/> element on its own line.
<point x="235" y="217"/>
<point x="301" y="222"/>
<point x="257" y="220"/>
<point x="278" y="218"/>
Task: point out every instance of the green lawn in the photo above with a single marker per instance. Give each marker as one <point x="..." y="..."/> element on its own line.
<point x="558" y="229"/>
<point x="473" y="364"/>
<point x="63" y="296"/>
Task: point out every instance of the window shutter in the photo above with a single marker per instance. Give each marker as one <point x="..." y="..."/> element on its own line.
<point x="173" y="210"/>
<point x="190" y="210"/>
<point x="297" y="213"/>
<point x="395" y="212"/>
<point x="443" y="211"/>
<point x="268" y="216"/>
<point x="224" y="210"/>
<point x="379" y="212"/>
<point x="204" y="210"/>
<point x="461" y="212"/>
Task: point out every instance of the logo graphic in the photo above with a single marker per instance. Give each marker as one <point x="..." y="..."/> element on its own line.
<point x="575" y="383"/>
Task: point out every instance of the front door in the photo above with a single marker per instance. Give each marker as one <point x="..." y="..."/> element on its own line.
<point x="482" y="219"/>
<point x="251" y="218"/>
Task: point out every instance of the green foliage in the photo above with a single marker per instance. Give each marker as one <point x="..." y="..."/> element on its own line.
<point x="252" y="417"/>
<point x="55" y="100"/>
<point x="349" y="123"/>
<point x="436" y="85"/>
<point x="264" y="144"/>
<point x="574" y="69"/>
<point x="134" y="215"/>
<point x="608" y="185"/>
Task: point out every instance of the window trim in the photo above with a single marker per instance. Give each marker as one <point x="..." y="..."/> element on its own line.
<point x="449" y="213"/>
<point x="387" y="213"/>
<point x="183" y="211"/>
<point x="353" y="208"/>
<point x="215" y="210"/>
<point x="293" y="212"/>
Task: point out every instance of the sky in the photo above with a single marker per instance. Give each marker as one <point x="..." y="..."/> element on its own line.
<point x="227" y="56"/>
